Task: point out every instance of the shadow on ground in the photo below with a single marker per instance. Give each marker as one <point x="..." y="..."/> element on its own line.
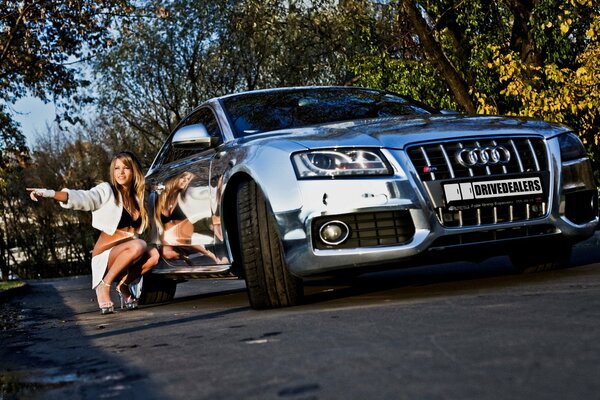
<point x="461" y="274"/>
<point x="45" y="354"/>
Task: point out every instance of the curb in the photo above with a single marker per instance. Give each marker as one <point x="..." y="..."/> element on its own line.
<point x="8" y="294"/>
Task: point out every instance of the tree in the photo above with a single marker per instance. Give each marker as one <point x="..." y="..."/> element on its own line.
<point x="550" y="91"/>
<point x="519" y="57"/>
<point x="166" y="66"/>
<point x="435" y="54"/>
<point x="54" y="241"/>
<point x="159" y="71"/>
<point x="391" y="58"/>
<point x="567" y="92"/>
<point x="40" y="43"/>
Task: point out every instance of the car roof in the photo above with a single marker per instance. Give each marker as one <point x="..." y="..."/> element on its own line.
<point x="294" y="88"/>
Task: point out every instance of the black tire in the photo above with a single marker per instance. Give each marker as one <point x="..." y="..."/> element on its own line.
<point x="268" y="280"/>
<point x="553" y="256"/>
<point x="157" y="289"/>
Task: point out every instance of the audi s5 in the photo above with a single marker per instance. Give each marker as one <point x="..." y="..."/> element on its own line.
<point x="275" y="186"/>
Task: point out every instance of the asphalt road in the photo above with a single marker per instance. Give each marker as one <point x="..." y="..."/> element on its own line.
<point x="456" y="331"/>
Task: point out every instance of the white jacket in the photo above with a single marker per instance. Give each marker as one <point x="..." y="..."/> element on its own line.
<point x="195" y="203"/>
<point x="100" y="200"/>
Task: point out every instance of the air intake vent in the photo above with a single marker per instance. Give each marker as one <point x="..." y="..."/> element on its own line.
<point x="369" y="229"/>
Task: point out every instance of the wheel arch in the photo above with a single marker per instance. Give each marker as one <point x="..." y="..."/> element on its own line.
<point x="230" y="219"/>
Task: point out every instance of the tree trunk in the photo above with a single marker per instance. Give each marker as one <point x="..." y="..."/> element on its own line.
<point x="521" y="39"/>
<point x="436" y="56"/>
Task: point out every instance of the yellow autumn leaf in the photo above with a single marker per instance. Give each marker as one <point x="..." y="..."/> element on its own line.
<point x="591" y="34"/>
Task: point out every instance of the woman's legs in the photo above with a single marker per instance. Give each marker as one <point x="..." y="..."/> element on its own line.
<point x="148" y="260"/>
<point x="206" y="252"/>
<point x="151" y="257"/>
<point x="182" y="253"/>
<point x="121" y="257"/>
<point x="169" y="252"/>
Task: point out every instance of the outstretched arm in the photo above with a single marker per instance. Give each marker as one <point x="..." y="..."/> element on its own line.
<point x="35" y="194"/>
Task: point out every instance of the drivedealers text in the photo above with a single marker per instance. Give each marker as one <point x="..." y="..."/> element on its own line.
<point x="491" y="189"/>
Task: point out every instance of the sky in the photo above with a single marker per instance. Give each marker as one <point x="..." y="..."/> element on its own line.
<point x="33" y="115"/>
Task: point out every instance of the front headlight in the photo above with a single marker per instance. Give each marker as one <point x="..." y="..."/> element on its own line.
<point x="340" y="163"/>
<point x="571" y="147"/>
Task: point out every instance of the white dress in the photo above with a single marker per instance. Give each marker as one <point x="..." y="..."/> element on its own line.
<point x="106" y="213"/>
<point x="99" y="266"/>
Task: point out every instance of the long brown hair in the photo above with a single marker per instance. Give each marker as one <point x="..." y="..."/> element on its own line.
<point x="169" y="194"/>
<point x="138" y="185"/>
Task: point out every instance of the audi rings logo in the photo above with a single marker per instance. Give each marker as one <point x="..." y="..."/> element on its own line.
<point x="489" y="155"/>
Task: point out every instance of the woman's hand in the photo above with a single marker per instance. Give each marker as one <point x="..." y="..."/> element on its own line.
<point x="36" y="193"/>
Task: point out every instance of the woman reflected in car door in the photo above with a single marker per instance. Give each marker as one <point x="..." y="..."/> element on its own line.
<point x="175" y="229"/>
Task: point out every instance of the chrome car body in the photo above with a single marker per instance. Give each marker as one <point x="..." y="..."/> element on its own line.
<point x="358" y="179"/>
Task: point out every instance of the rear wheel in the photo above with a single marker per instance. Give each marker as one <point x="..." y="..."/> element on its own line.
<point x="552" y="256"/>
<point x="268" y="280"/>
<point x="157" y="289"/>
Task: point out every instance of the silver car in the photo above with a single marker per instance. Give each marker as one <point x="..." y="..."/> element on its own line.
<point x="277" y="185"/>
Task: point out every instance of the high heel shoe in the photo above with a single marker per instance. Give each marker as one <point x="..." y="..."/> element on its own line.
<point x="128" y="302"/>
<point x="106" y="307"/>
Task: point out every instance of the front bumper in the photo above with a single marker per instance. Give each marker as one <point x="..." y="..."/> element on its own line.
<point x="571" y="190"/>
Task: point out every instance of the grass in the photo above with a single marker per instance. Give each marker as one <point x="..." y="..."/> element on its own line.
<point x="10" y="285"/>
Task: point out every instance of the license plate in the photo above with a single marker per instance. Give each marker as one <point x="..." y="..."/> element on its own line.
<point x="493" y="189"/>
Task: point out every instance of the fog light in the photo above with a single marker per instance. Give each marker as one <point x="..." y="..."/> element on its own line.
<point x="334" y="232"/>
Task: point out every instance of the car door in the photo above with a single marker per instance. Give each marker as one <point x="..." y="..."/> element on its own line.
<point x="182" y="201"/>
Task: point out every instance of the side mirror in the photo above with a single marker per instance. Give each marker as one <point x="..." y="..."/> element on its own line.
<point x="194" y="135"/>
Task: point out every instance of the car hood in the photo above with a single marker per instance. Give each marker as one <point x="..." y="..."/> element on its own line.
<point x="397" y="132"/>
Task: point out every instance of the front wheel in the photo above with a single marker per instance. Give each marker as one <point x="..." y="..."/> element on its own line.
<point x="268" y="280"/>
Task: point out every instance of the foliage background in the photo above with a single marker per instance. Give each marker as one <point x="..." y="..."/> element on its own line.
<point x="124" y="72"/>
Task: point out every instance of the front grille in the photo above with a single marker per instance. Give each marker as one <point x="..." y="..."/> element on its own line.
<point x="438" y="163"/>
<point x="369" y="229"/>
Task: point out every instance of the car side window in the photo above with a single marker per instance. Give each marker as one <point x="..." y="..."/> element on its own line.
<point x="202" y="116"/>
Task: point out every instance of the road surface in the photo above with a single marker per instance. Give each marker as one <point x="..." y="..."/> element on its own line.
<point x="455" y="331"/>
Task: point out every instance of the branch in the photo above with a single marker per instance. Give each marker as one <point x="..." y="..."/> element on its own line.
<point x="436" y="56"/>
<point x="13" y="32"/>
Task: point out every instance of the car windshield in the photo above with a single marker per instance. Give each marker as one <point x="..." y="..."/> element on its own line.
<point x="252" y="113"/>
